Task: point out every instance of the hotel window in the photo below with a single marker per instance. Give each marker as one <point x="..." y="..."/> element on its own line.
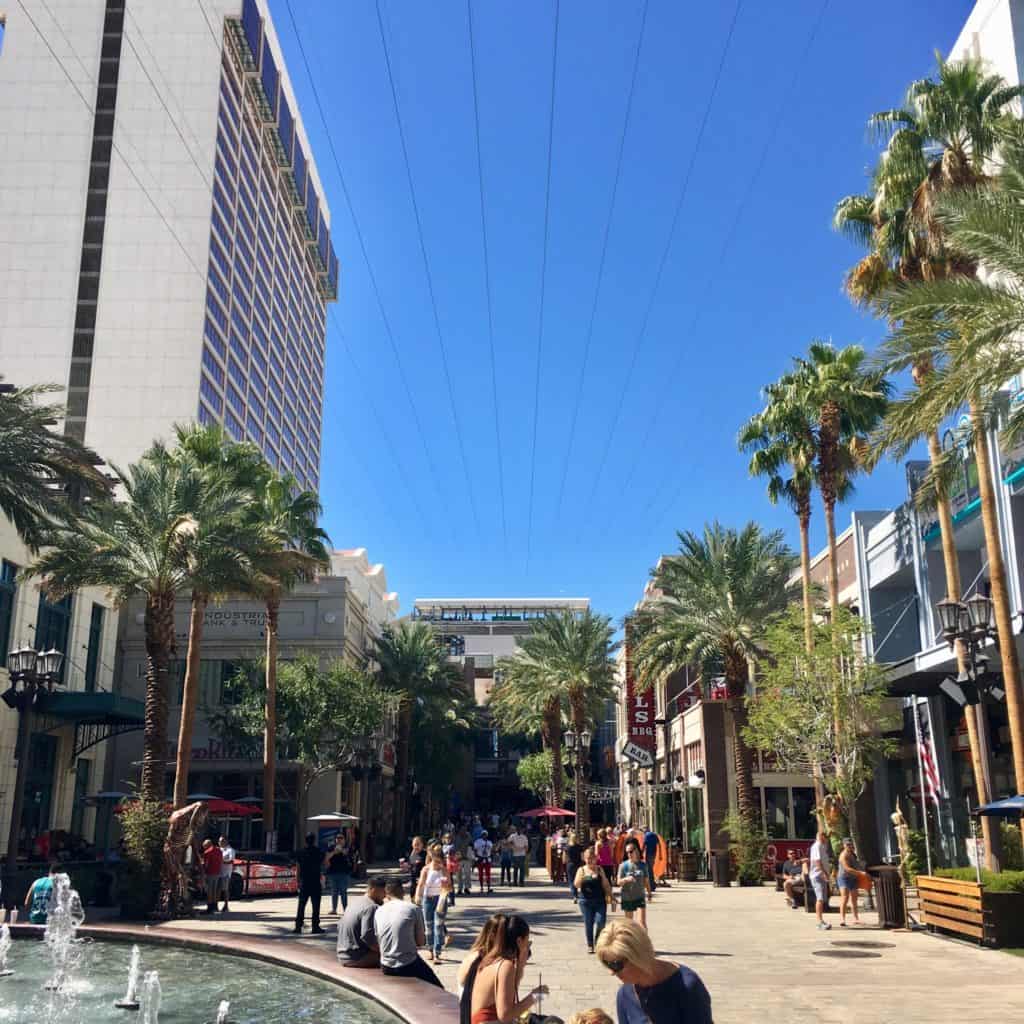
<point x="255" y="430"/>
<point x="241" y="302"/>
<point x="215" y="340"/>
<point x="217" y="252"/>
<point x="242" y="278"/>
<point x="206" y="418"/>
<point x="223" y="203"/>
<point x="257" y="358"/>
<point x="275" y="361"/>
<point x="236" y="372"/>
<point x="212" y="367"/>
<point x="221" y="289"/>
<point x="225" y="127"/>
<point x="273" y="434"/>
<point x="233" y="427"/>
<point x="229" y="102"/>
<point x="53" y="623"/>
<point x="210" y="393"/>
<point x="247" y="232"/>
<point x="256" y="407"/>
<point x="92" y="654"/>
<point x="225" y="168"/>
<point x="238" y="347"/>
<point x="220" y="228"/>
<point x="8" y="597"/>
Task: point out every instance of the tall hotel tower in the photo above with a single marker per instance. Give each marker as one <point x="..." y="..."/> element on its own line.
<point x="165" y="249"/>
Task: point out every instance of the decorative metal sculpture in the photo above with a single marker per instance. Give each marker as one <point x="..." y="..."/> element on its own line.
<point x="183" y="856"/>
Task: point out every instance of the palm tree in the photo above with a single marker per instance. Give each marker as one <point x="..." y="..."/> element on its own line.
<point x="289" y="548"/>
<point x="718" y="595"/>
<point x="781" y="437"/>
<point x="412" y="666"/>
<point x="135" y="546"/>
<point x="845" y="400"/>
<point x="884" y="223"/>
<point x="219" y="552"/>
<point x="566" y="664"/>
<point x="943" y="142"/>
<point x="43" y="473"/>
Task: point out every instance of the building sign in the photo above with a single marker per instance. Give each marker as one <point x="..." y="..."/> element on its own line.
<point x="640" y="735"/>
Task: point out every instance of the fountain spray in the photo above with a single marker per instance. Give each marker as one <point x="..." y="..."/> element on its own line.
<point x="151" y="998"/>
<point x="131" y="996"/>
<point x="222" y="1012"/>
<point x="5" y="949"/>
<point x="63" y="919"/>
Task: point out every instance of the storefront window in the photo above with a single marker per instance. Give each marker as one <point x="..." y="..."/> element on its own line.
<point x="805" y="823"/>
<point x="776" y="812"/>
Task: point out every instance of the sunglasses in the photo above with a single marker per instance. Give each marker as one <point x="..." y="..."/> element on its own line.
<point x="615" y="966"/>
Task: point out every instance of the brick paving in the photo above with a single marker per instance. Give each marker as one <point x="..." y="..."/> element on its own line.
<point x="759" y="959"/>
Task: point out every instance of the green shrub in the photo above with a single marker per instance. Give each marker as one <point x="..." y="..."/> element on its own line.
<point x="748" y="846"/>
<point x="1005" y="881"/>
<point x="1013" y="858"/>
<point x="144" y="826"/>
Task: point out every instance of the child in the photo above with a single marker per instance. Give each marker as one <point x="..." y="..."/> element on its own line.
<point x="452" y="862"/>
<point x="441" y="914"/>
<point x="594" y="1016"/>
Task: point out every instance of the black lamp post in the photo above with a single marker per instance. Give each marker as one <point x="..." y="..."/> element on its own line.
<point x="971" y="623"/>
<point x="578" y="748"/>
<point x="32" y="673"/>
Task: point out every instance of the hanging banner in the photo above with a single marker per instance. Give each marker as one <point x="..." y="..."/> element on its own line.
<point x="640" y="740"/>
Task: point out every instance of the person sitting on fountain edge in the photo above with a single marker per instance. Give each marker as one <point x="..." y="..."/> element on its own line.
<point x="38" y="896"/>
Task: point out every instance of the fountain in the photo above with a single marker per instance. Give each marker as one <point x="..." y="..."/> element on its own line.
<point x="5" y="949"/>
<point x="151" y="996"/>
<point x="222" y="1012"/>
<point x="63" y="918"/>
<point x="131" y="998"/>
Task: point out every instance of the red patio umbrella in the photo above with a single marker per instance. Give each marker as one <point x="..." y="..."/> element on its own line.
<point x="230" y="809"/>
<point x="546" y="812"/>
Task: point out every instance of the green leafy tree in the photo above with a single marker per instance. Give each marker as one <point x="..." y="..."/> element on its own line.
<point x="324" y="714"/>
<point x="718" y="596"/>
<point x="43" y="473"/>
<point x="821" y="711"/>
<point x="412" y="667"/>
<point x="536" y="770"/>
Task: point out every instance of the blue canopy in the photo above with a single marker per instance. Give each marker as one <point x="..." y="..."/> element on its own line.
<point x="1008" y="808"/>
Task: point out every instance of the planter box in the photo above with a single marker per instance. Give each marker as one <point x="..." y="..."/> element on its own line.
<point x="967" y="909"/>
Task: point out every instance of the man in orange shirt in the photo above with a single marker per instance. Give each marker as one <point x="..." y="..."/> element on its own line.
<point x="212" y="861"/>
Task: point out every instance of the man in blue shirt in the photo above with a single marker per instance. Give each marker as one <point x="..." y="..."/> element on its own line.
<point x="650" y="856"/>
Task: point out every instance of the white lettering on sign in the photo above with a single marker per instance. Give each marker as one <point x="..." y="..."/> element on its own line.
<point x="642" y="757"/>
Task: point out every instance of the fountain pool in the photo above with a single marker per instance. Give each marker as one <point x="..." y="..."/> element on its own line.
<point x="193" y="986"/>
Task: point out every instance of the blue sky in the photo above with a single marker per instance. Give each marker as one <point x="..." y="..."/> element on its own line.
<point x="732" y="307"/>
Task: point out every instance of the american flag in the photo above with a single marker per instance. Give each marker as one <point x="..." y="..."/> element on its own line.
<point x="932" y="783"/>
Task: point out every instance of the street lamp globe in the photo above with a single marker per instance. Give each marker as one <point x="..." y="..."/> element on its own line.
<point x="21" y="661"/>
<point x="569" y="736"/>
<point x="585" y="737"/>
<point x="979" y="610"/>
<point x="48" y="663"/>
<point x="949" y="617"/>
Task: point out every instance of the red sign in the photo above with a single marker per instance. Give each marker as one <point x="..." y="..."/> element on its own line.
<point x="778" y="849"/>
<point x="640" y="710"/>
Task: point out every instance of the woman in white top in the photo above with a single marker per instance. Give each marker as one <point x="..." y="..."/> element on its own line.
<point x="428" y="892"/>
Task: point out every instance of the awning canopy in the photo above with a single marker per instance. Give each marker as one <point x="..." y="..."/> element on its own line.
<point x="96" y="716"/>
<point x="1010" y="807"/>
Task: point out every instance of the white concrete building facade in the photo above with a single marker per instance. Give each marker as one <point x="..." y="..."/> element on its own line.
<point x="166" y="250"/>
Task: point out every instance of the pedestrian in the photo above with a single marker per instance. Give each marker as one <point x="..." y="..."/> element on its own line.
<point x="594" y="1015"/>
<point x="792" y="880"/>
<point x="338" y="872"/>
<point x="505" y="860"/>
<point x="441" y="915"/>
<point x="652" y="991"/>
<point x="633" y="881"/>
<point x="37" y="899"/>
<point x="482" y="850"/>
<point x="400" y="933"/>
<point x="573" y="859"/>
<point x="427" y="896"/>
<point x="308" y="861"/>
<point x="651" y="843"/>
<point x="212" y="859"/>
<point x="849" y="882"/>
<point x="454" y="864"/>
<point x="227" y="868"/>
<point x="819" y="874"/>
<point x="490" y="976"/>
<point x="357" y="941"/>
<point x="595" y="896"/>
<point x="417" y="858"/>
<point x="605" y="853"/>
<point x="520" y="849"/>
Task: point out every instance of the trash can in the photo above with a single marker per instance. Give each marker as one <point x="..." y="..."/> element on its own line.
<point x="889" y="896"/>
<point x="687" y="866"/>
<point x="721" y="868"/>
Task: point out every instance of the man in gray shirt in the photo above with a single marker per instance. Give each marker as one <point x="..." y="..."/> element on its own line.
<point x="357" y="941"/>
<point x="400" y="934"/>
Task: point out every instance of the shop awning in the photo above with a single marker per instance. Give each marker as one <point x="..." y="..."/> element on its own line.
<point x="95" y="716"/>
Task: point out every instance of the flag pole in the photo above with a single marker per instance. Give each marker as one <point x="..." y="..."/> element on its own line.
<point x="924" y="795"/>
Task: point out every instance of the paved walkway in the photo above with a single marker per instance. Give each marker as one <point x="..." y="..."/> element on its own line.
<point x="759" y="959"/>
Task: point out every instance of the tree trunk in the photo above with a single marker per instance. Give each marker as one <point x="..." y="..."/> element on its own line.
<point x="979" y="754"/>
<point x="553" y="732"/>
<point x="270" y="723"/>
<point x="189" y="698"/>
<point x="402" y="771"/>
<point x="1000" y="595"/>
<point x="827" y="468"/>
<point x="805" y="577"/>
<point x="736" y="677"/>
<point x="579" y="723"/>
<point x="21" y="751"/>
<point x="159" y="627"/>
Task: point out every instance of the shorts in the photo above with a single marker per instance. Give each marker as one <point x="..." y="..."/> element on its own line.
<point x="633" y="904"/>
<point x="820" y="884"/>
<point x="850" y="882"/>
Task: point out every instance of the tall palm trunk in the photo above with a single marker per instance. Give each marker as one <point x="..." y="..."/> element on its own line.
<point x="402" y="759"/>
<point x="189" y="697"/>
<point x="553" y="736"/>
<point x="736" y="676"/>
<point x="579" y="723"/>
<point x="270" y="722"/>
<point x="1000" y="594"/>
<point x="804" y="517"/>
<point x="159" y="627"/>
<point x="979" y="752"/>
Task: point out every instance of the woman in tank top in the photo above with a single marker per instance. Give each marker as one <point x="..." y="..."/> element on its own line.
<point x="595" y="895"/>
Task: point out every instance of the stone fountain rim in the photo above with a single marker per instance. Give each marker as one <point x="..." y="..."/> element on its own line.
<point x="409" y="999"/>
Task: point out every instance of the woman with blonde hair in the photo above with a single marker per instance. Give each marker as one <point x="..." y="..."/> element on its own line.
<point x="489" y="977"/>
<point x="653" y="991"/>
<point x="595" y="896"/>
